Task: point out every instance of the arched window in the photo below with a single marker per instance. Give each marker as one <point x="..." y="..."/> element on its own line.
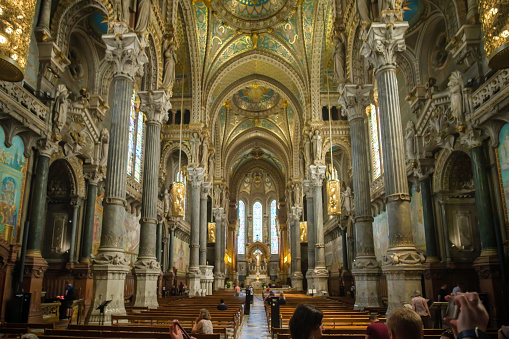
<point x="241" y="238"/>
<point x="376" y="146"/>
<point x="274" y="239"/>
<point x="257" y="222"/>
<point x="135" y="155"/>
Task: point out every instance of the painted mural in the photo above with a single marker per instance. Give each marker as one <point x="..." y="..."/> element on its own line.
<point x="180" y="255"/>
<point x="417" y="219"/>
<point x="131" y="231"/>
<point x="334" y="254"/>
<point x="380" y="233"/>
<point x="12" y="180"/>
<point x="503" y="157"/>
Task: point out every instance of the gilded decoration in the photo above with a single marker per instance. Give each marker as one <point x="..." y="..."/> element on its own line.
<point x="256" y="98"/>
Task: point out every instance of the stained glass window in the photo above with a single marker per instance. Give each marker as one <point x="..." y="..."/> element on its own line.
<point x="257" y="222"/>
<point x="135" y="147"/>
<point x="139" y="148"/>
<point x="374" y="131"/>
<point x="274" y="239"/>
<point x="241" y="239"/>
<point x="132" y="135"/>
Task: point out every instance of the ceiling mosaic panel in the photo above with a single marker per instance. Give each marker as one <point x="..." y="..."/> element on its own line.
<point x="328" y="57"/>
<point x="256" y="98"/>
<point x="257" y="153"/>
<point x="267" y="42"/>
<point x="308" y="16"/>
<point x="183" y="65"/>
<point x="236" y="47"/>
<point x="221" y="35"/>
<point x="253" y="9"/>
<point x="257" y="181"/>
<point x="289" y="32"/>
<point x="201" y="15"/>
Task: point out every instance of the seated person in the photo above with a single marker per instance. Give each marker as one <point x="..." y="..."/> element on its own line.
<point x="404" y="323"/>
<point x="306" y="322"/>
<point x="282" y="298"/>
<point x="176" y="332"/>
<point x="222" y="306"/>
<point x="376" y="330"/>
<point x="203" y="325"/>
<point x="271" y="294"/>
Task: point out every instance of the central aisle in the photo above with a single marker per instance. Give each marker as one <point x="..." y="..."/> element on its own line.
<point x="256" y="325"/>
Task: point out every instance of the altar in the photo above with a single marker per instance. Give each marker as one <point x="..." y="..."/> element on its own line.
<point x="257" y="256"/>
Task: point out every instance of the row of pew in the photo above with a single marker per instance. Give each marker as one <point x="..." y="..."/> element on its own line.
<point x="339" y="319"/>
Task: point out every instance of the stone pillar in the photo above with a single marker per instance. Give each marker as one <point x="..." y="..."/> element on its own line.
<point x="231" y="245"/>
<point x="205" y="190"/>
<point x="403" y="265"/>
<point x="170" y="249"/>
<point x="487" y="264"/>
<point x="308" y="191"/>
<point x="223" y="243"/>
<point x="195" y="175"/>
<point x="366" y="269"/>
<point x="297" y="276"/>
<point x="75" y="203"/>
<point x="82" y="271"/>
<point x="43" y="30"/>
<point x="321" y="274"/>
<point x="159" y="243"/>
<point x="110" y="266"/>
<point x="35" y="265"/>
<point x="219" y="254"/>
<point x="155" y="105"/>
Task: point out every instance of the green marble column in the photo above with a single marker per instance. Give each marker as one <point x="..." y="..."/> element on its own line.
<point x="429" y="220"/>
<point x="483" y="201"/>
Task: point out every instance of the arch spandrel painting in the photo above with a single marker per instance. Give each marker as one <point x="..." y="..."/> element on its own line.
<point x="253" y="9"/>
<point x="12" y="180"/>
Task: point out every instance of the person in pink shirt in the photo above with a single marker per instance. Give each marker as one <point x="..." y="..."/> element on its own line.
<point x="420" y="306"/>
<point x="237" y="290"/>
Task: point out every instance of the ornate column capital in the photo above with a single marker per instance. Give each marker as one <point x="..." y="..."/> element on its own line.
<point x="307" y="188"/>
<point x="384" y="40"/>
<point x="424" y="168"/>
<point x="295" y="214"/>
<point x="316" y="174"/>
<point x="46" y="148"/>
<point x="125" y="52"/>
<point x="155" y="105"/>
<point x="219" y="214"/>
<point x="196" y="175"/>
<point x="473" y="138"/>
<point x="93" y="174"/>
<point x="205" y="189"/>
<point x="354" y="100"/>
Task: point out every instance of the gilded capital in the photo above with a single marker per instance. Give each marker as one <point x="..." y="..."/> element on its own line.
<point x="125" y="53"/>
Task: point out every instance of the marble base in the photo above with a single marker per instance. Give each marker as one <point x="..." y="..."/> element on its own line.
<point x="207" y="278"/>
<point x="321" y="281"/>
<point x="145" y="287"/>
<point x="218" y="281"/>
<point x="402" y="282"/>
<point x="84" y="282"/>
<point x="194" y="282"/>
<point x="35" y="266"/>
<point x="310" y="281"/>
<point x="109" y="283"/>
<point x="297" y="281"/>
<point x="367" y="288"/>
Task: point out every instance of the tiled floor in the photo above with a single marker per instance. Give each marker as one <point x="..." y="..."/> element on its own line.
<point x="255" y="326"/>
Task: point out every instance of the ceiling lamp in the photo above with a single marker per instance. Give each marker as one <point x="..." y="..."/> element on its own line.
<point x="179" y="188"/>
<point x="494" y="16"/>
<point x="16" y="18"/>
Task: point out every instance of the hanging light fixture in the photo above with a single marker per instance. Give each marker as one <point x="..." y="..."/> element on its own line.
<point x="16" y="18"/>
<point x="494" y="15"/>
<point x="211" y="226"/>
<point x="333" y="184"/>
<point x="179" y="188"/>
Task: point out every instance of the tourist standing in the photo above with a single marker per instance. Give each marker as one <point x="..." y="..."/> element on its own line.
<point x="420" y="306"/>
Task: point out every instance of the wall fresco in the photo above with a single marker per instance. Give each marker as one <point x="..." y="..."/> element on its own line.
<point x="417" y="219"/>
<point x="12" y="181"/>
<point x="380" y="234"/>
<point x="334" y="254"/>
<point x="180" y="255"/>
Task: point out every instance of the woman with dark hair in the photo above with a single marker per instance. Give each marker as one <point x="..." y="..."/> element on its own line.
<point x="306" y="322"/>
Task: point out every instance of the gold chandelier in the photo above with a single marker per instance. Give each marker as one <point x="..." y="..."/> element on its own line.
<point x="494" y="15"/>
<point x="16" y="18"/>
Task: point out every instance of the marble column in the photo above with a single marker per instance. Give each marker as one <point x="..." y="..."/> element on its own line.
<point x="223" y="243"/>
<point x="42" y="30"/>
<point x="75" y="203"/>
<point x="297" y="277"/>
<point x="170" y="248"/>
<point x="320" y="274"/>
<point x="344" y="244"/>
<point x="155" y="105"/>
<point x="218" y="250"/>
<point x="35" y="265"/>
<point x="205" y="191"/>
<point x="83" y="270"/>
<point x="487" y="264"/>
<point x="110" y="266"/>
<point x="159" y="243"/>
<point x="402" y="264"/>
<point x="308" y="191"/>
<point x="195" y="175"/>
<point x="366" y="269"/>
